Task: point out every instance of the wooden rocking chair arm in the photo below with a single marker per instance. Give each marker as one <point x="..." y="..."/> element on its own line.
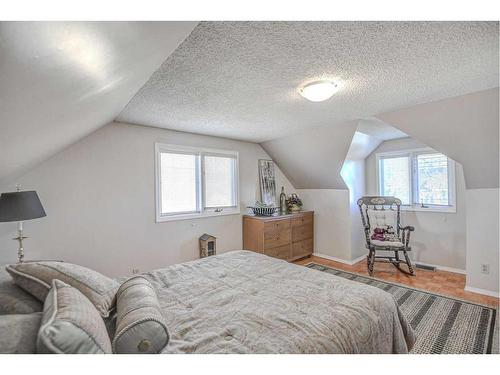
<point x="408" y="227"/>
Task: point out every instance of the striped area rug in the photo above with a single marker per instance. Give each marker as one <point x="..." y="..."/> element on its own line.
<point x="441" y="324"/>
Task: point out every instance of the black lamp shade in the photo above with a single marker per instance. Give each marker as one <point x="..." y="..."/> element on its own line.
<point x="19" y="206"/>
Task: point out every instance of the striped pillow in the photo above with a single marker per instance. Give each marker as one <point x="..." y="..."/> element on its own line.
<point x="71" y="324"/>
<point x="36" y="278"/>
<point x="140" y="326"/>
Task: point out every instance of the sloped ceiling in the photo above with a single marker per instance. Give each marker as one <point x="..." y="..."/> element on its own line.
<point x="59" y="81"/>
<point x="369" y="134"/>
<point x="361" y="146"/>
<point x="239" y="79"/>
<point x="313" y="159"/>
<point x="465" y="128"/>
<point x="373" y="127"/>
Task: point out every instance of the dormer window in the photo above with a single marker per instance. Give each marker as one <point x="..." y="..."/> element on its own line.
<point x="423" y="179"/>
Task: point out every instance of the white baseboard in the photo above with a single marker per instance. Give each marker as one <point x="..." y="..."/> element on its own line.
<point x="362" y="257"/>
<point x="442" y="268"/>
<point x="482" y="291"/>
<point x="340" y="260"/>
<point x="359" y="259"/>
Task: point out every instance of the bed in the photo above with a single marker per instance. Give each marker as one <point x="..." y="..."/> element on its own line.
<point x="245" y="302"/>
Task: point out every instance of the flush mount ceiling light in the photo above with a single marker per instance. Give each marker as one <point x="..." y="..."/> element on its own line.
<point x="319" y="91"/>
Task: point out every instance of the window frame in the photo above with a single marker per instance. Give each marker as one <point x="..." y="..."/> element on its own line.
<point x="413" y="175"/>
<point x="201" y="210"/>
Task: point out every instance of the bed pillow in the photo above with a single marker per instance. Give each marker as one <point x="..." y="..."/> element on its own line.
<point x="18" y="333"/>
<point x="36" y="278"/>
<point x="14" y="300"/>
<point x="140" y="326"/>
<point x="71" y="324"/>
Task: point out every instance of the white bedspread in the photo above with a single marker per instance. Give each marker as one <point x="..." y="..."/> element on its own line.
<point x="243" y="302"/>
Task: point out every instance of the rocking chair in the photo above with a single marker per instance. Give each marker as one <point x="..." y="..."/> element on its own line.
<point x="383" y="214"/>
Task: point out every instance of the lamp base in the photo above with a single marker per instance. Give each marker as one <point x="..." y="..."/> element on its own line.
<point x="20" y="252"/>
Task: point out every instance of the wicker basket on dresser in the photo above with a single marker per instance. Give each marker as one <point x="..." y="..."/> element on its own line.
<point x="287" y="237"/>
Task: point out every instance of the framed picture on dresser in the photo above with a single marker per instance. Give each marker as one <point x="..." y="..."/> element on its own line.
<point x="267" y="182"/>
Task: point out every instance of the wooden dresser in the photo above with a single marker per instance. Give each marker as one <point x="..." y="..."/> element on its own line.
<point x="287" y="237"/>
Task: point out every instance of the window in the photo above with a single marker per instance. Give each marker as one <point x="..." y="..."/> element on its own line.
<point x="395" y="177"/>
<point x="220" y="183"/>
<point x="193" y="182"/>
<point x="423" y="179"/>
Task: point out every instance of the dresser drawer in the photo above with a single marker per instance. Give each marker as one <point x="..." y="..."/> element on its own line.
<point x="302" y="248"/>
<point x="302" y="220"/>
<point x="302" y="232"/>
<point x="277" y="238"/>
<point x="275" y="226"/>
<point x="281" y="252"/>
<point x="273" y="235"/>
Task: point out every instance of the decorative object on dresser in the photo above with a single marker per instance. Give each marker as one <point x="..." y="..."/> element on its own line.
<point x="19" y="206"/>
<point x="207" y="245"/>
<point x="283" y="206"/>
<point x="294" y="203"/>
<point x="261" y="209"/>
<point x="267" y="182"/>
<point x="287" y="237"/>
<point x="381" y="218"/>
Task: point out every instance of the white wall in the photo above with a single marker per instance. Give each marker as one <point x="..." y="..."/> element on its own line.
<point x="482" y="240"/>
<point x="332" y="224"/>
<point x="99" y="199"/>
<point x="439" y="238"/>
<point x="353" y="173"/>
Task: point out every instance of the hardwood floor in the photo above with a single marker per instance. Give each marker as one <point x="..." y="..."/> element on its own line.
<point x="441" y="282"/>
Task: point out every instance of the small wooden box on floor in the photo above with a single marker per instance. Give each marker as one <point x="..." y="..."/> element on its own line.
<point x="289" y="237"/>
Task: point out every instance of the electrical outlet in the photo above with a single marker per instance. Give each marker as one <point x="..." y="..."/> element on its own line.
<point x="485" y="268"/>
<point x="135" y="271"/>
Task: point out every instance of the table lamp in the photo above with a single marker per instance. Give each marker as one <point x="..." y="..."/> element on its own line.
<point x="20" y="206"/>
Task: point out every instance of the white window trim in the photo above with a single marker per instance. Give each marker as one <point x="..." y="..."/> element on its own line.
<point x="204" y="212"/>
<point x="416" y="207"/>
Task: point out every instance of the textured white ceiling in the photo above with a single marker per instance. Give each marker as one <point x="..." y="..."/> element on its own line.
<point x="59" y="81"/>
<point x="239" y="79"/>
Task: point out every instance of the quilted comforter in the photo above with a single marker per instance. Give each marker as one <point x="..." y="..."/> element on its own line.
<point x="244" y="302"/>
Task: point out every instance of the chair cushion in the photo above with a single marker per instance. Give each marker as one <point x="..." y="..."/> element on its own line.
<point x="36" y="278"/>
<point x="381" y="219"/>
<point x="386" y="243"/>
<point x="18" y="333"/>
<point x="71" y="324"/>
<point x="140" y="326"/>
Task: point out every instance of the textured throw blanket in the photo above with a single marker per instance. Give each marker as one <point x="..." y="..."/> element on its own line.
<point x="244" y="302"/>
